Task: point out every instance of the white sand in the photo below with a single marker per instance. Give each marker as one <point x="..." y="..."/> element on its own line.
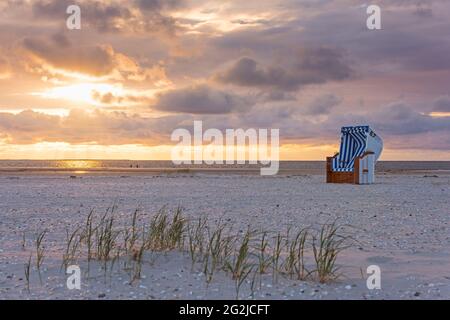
<point x="401" y="224"/>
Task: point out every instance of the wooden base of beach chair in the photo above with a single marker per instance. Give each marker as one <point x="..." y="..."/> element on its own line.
<point x="363" y="171"/>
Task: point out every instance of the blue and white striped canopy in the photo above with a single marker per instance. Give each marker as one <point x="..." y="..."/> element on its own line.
<point x="353" y="145"/>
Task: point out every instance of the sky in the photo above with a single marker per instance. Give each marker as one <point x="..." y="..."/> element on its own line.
<point x="139" y="69"/>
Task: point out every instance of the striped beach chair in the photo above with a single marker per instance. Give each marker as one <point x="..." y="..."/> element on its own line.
<point x="355" y="163"/>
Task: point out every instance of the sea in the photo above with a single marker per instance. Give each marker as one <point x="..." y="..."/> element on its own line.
<point x="105" y="165"/>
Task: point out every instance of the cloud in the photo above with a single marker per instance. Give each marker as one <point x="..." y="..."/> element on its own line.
<point x="322" y="105"/>
<point x="424" y="12"/>
<point x="400" y="126"/>
<point x="251" y="21"/>
<point x="104" y="16"/>
<point x="114" y="16"/>
<point x="310" y="66"/>
<point x="276" y="95"/>
<point x="109" y="98"/>
<point x="392" y="120"/>
<point x="159" y="4"/>
<point x="401" y="119"/>
<point x="5" y="69"/>
<point x="411" y="40"/>
<point x="200" y="99"/>
<point x="103" y="128"/>
<point x="247" y="72"/>
<point x="93" y="60"/>
<point x="442" y="104"/>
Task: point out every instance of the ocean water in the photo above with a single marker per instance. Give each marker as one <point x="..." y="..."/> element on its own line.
<point x="153" y="164"/>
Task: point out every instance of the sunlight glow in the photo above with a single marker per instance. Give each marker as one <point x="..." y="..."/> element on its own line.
<point x="440" y="114"/>
<point x="82" y="92"/>
<point x="70" y="164"/>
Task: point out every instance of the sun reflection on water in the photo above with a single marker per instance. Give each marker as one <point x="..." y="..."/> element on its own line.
<point x="79" y="164"/>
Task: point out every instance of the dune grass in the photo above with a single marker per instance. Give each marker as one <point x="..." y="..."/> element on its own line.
<point x="27" y="269"/>
<point x="326" y="248"/>
<point x="300" y="253"/>
<point x="72" y="245"/>
<point x="40" y="251"/>
<point x="294" y="263"/>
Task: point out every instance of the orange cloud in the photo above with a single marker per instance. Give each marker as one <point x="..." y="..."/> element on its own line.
<point x="79" y="126"/>
<point x="100" y="61"/>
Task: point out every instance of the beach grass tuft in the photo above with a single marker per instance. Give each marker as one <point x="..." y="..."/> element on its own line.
<point x="27" y="270"/>
<point x="299" y="254"/>
<point x="40" y="251"/>
<point x="294" y="264"/>
<point x="326" y="248"/>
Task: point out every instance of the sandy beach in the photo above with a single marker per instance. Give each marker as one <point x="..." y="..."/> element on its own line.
<point x="224" y="150"/>
<point x="401" y="224"/>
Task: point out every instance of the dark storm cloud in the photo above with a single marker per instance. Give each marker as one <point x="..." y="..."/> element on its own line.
<point x="311" y="66"/>
<point x="200" y="99"/>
